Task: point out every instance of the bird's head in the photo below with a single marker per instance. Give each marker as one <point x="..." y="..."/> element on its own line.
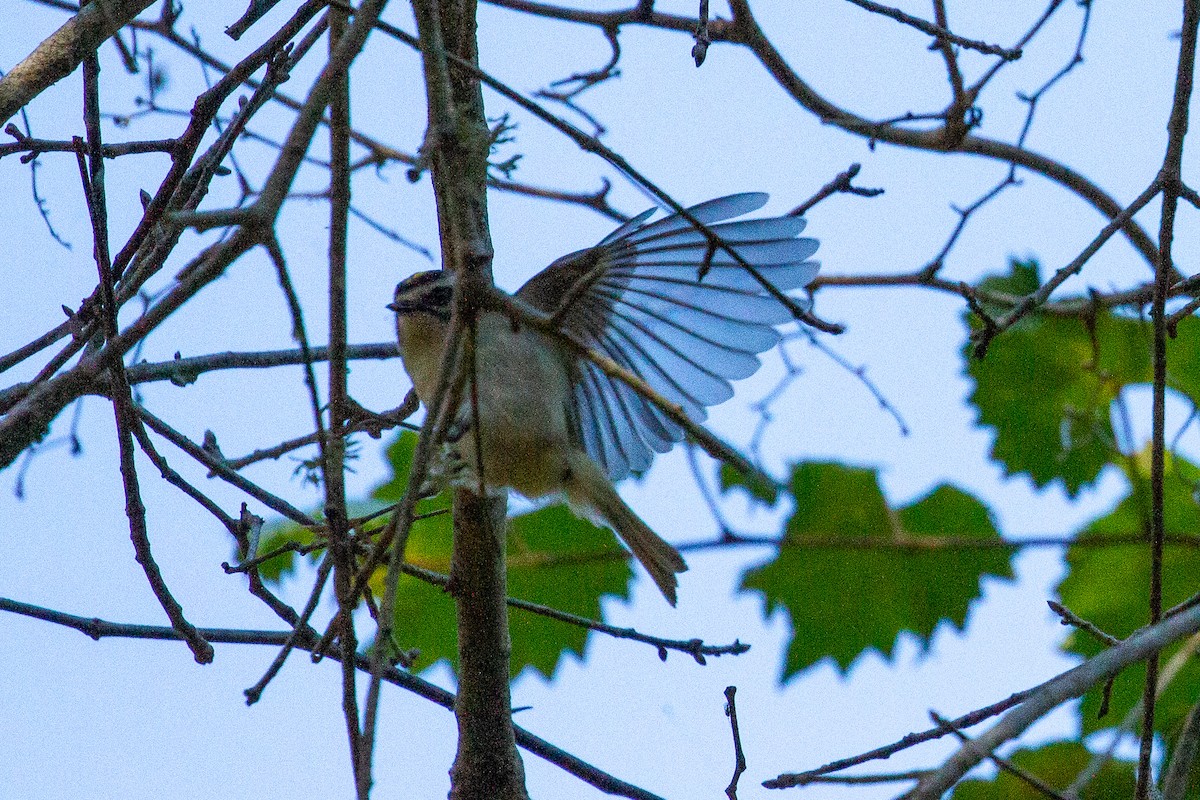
<point x="430" y="292"/>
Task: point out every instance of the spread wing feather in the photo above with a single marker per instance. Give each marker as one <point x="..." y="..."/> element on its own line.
<point x="637" y="297"/>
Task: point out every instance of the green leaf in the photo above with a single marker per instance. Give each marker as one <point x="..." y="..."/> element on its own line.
<point x="1183" y="368"/>
<point x="1108" y="586"/>
<point x="1057" y="765"/>
<point x="284" y="532"/>
<point x="1022" y="279"/>
<point x="399" y="456"/>
<point x="853" y="573"/>
<point x="761" y="490"/>
<point x="1046" y="385"/>
<point x="590" y="564"/>
<point x="554" y="559"/>
<point x="424" y="618"/>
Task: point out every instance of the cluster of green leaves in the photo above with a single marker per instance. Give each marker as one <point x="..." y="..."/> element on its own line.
<point x="1053" y="389"/>
<point x="1108" y="586"/>
<point x="913" y="567"/>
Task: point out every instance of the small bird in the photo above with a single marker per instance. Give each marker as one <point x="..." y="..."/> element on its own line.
<point x="653" y="296"/>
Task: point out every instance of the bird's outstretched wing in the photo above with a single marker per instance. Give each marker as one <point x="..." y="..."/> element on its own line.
<point x="638" y="298"/>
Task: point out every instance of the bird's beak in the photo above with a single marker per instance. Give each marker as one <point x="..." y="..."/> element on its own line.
<point x="395" y="307"/>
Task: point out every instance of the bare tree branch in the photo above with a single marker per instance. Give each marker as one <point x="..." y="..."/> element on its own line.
<point x="63" y="51"/>
<point x="1039" y="701"/>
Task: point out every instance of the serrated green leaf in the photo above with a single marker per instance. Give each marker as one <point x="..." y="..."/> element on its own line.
<point x="846" y="585"/>
<point x="944" y="582"/>
<point x="1057" y="765"/>
<point x="1046" y="385"/>
<point x="761" y="490"/>
<point x="1108" y="586"/>
<point x="590" y="564"/>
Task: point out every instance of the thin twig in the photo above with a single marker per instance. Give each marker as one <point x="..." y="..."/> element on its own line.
<point x="334" y="451"/>
<point x="1069" y="617"/>
<point x="1170" y="180"/>
<point x="1043" y="292"/>
<point x="789" y="780"/>
<point x="1003" y="763"/>
<point x="1041" y="700"/>
<point x="937" y="31"/>
<point x="739" y="756"/>
<point x="702" y="36"/>
<point x="218" y="467"/>
<point x="91" y="170"/>
<point x="696" y="648"/>
<point x="841" y="184"/>
<point x="746" y="31"/>
<point x="297" y="635"/>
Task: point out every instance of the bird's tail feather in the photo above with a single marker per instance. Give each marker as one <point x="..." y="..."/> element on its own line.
<point x="588" y="486"/>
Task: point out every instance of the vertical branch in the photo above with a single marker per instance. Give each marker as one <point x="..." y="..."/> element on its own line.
<point x="395" y="534"/>
<point x="1170" y="178"/>
<point x="947" y="49"/>
<point x="487" y="766"/>
<point x="458" y="140"/>
<point x="333" y="466"/>
<point x="339" y="195"/>
<point x="91" y="172"/>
